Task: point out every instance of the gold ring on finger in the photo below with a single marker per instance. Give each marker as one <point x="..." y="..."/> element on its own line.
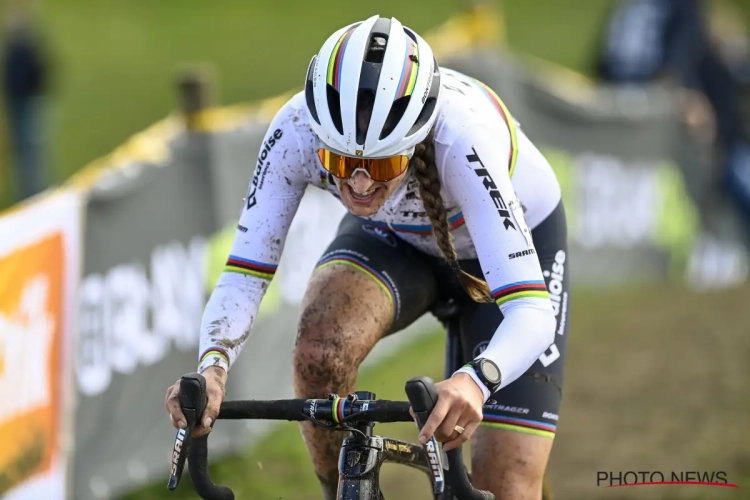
<point x="460" y="430"/>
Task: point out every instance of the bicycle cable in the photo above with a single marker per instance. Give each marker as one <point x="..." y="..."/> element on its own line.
<point x="339" y="427"/>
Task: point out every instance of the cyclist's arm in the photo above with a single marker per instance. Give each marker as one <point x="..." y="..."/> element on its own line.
<point x="475" y="174"/>
<point x="272" y="200"/>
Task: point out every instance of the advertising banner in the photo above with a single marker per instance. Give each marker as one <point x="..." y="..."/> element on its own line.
<point x="39" y="270"/>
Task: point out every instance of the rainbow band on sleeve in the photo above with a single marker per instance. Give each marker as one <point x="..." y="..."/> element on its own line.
<point x="520" y="290"/>
<point x="335" y="63"/>
<point x="523" y="425"/>
<point x="455" y="221"/>
<point x="355" y="263"/>
<point x="500" y="106"/>
<point x="410" y="71"/>
<point x="214" y="350"/>
<point x="250" y="268"/>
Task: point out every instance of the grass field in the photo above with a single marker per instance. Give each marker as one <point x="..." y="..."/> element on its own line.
<point x="651" y="385"/>
<point x="115" y="62"/>
<point x="655" y="379"/>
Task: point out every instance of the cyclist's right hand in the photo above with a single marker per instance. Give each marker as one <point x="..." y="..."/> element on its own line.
<point x="216" y="378"/>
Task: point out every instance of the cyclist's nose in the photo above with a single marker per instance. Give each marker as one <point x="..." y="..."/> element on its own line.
<point x="360" y="182"/>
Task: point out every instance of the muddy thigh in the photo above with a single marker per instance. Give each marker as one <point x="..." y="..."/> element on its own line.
<point x="344" y="313"/>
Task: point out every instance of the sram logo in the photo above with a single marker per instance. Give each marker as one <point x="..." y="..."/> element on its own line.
<point x="432" y="455"/>
<point x="524" y="253"/>
<point x="177" y="449"/>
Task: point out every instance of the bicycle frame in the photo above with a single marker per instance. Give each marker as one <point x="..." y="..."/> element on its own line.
<point x="363" y="454"/>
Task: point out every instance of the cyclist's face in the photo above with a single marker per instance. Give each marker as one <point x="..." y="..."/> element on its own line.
<point x="359" y="193"/>
<point x="363" y="196"/>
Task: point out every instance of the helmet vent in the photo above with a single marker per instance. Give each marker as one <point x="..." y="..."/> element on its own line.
<point x="334" y="107"/>
<point x="376" y="49"/>
<point x="394" y="115"/>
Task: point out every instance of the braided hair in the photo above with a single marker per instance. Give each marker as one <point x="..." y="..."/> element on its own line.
<point x="426" y="173"/>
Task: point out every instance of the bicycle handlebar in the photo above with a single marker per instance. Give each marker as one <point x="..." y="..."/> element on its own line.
<point x="422" y="397"/>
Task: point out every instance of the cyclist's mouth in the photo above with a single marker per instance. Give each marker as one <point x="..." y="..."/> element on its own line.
<point x="363" y="198"/>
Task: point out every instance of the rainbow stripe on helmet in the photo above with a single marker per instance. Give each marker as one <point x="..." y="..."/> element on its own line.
<point x="410" y="71"/>
<point x="335" y="63"/>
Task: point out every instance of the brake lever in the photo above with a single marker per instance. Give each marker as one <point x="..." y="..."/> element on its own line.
<point x="193" y="401"/>
<point x="422" y="396"/>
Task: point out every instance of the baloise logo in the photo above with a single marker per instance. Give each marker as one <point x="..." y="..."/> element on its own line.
<point x="265" y="149"/>
<point x="491" y="188"/>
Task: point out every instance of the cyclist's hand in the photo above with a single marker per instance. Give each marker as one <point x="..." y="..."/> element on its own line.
<point x="459" y="402"/>
<point x="216" y="379"/>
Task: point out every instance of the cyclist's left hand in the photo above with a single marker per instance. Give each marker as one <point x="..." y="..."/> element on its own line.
<point x="459" y="402"/>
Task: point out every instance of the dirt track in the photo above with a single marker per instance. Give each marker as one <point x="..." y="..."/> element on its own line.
<point x="656" y="381"/>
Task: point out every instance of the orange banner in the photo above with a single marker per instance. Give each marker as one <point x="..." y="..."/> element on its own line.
<point x="31" y="317"/>
<point x="37" y="277"/>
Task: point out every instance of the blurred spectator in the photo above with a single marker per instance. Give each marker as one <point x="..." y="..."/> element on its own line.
<point x="649" y="39"/>
<point x="25" y="78"/>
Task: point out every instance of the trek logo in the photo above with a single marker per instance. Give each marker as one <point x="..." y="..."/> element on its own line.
<point x="177" y="449"/>
<point x="491" y="188"/>
<point x="413" y="214"/>
<point x="516" y="255"/>
<point x="265" y="149"/>
<point x="312" y="408"/>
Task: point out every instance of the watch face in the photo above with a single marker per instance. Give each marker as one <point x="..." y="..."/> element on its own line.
<point x="490" y="371"/>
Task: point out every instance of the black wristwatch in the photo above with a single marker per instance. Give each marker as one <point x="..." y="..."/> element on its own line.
<point x="488" y="373"/>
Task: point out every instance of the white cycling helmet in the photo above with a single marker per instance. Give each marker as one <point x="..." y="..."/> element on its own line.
<point x="383" y="70"/>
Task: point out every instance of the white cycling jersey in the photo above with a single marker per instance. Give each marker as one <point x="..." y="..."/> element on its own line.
<point x="496" y="186"/>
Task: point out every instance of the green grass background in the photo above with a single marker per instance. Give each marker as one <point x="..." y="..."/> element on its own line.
<point x="115" y="61"/>
<point x="115" y="64"/>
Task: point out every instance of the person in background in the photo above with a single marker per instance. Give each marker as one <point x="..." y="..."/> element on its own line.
<point x="646" y="40"/>
<point x="24" y="82"/>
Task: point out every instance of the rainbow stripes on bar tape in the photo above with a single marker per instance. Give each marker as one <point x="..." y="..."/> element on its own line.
<point x="250" y="267"/>
<point x="520" y="290"/>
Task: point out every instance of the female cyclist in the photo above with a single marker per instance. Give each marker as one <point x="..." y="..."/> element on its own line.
<point x="440" y="185"/>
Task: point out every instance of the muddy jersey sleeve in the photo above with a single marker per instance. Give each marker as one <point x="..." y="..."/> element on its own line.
<point x="273" y="196"/>
<point x="476" y="172"/>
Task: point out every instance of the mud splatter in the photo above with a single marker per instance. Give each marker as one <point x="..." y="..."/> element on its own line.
<point x="228" y="343"/>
